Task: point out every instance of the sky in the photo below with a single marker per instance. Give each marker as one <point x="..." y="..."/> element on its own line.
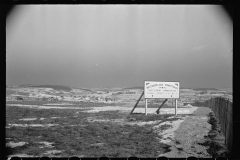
<point x="104" y="46"/>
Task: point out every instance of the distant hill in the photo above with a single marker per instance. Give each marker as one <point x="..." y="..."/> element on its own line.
<point x="226" y="89"/>
<point x="56" y="87"/>
<point x="141" y="88"/>
<point x="85" y="89"/>
<point x="26" y="85"/>
<point x="184" y="88"/>
<point x="196" y="89"/>
<point x="204" y="89"/>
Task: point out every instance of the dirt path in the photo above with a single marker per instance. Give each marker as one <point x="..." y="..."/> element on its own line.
<point x="191" y="131"/>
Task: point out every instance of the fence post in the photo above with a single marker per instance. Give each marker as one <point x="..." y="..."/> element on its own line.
<point x="215" y="104"/>
<point x="226" y="119"/>
<point x="221" y="112"/>
<point x="218" y="107"/>
<point x="212" y="103"/>
<point x="223" y="122"/>
<point x="231" y="129"/>
<point x="226" y="115"/>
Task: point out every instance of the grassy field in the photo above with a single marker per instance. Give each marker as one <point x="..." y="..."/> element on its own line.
<point x="89" y="104"/>
<point x="76" y="104"/>
<point x="74" y="135"/>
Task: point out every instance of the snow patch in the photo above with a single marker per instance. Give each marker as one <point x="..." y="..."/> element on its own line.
<point x="53" y="152"/>
<point x="13" y="144"/>
<point x="46" y="144"/>
<point x="28" y="119"/>
<point x="42" y="107"/>
<point x="32" y="125"/>
<point x="169" y="133"/>
<point x="57" y="117"/>
<point x="60" y="104"/>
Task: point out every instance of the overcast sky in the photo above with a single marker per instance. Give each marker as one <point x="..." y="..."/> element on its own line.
<point x="119" y="45"/>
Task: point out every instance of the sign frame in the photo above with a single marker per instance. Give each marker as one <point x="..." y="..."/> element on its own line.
<point x="145" y="92"/>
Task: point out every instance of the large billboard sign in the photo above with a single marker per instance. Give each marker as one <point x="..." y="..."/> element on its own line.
<point x="168" y="90"/>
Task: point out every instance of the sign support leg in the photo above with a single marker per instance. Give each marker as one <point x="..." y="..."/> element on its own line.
<point x="175" y="107"/>
<point x="146" y="106"/>
<point x="137" y="102"/>
<point x="161" y="106"/>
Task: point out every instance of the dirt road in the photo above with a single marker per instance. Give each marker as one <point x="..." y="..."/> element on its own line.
<point x="190" y="132"/>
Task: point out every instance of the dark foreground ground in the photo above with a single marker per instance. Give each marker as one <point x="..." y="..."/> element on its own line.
<point x="71" y="132"/>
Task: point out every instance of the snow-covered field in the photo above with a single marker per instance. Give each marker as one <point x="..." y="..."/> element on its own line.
<point x="60" y="104"/>
<point x="43" y="107"/>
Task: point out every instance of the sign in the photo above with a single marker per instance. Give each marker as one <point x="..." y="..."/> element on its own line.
<point x="168" y="90"/>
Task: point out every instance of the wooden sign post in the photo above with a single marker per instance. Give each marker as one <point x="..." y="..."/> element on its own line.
<point x="175" y="107"/>
<point x="161" y="106"/>
<point x="137" y="102"/>
<point x="146" y="106"/>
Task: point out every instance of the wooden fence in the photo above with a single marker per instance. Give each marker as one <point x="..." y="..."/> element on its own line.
<point x="222" y="109"/>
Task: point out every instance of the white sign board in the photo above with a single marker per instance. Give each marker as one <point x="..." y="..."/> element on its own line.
<point x="168" y="90"/>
